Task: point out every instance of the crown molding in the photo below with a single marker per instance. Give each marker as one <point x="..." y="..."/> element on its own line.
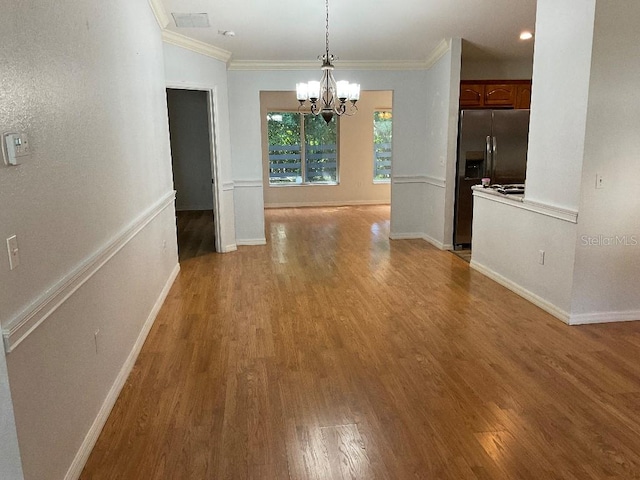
<point x="437" y="53"/>
<point x="160" y="13"/>
<point x="257" y="65"/>
<point x="196" y="46"/>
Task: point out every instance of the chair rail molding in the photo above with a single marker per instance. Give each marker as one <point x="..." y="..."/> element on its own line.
<point x="425" y="179"/>
<point x="35" y="314"/>
<point x="249" y="183"/>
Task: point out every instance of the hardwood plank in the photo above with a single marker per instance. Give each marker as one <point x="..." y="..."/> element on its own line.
<point x="335" y="353"/>
<point x="347" y="455"/>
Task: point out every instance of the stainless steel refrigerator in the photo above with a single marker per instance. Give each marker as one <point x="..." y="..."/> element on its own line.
<point x="491" y="144"/>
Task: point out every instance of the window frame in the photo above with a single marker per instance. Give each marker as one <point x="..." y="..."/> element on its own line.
<point x="303" y="152"/>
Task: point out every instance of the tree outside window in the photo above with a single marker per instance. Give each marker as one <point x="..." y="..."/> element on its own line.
<point x="382" y="145"/>
<point x="292" y="164"/>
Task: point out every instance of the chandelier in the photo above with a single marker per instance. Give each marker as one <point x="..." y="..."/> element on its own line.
<point x="328" y="97"/>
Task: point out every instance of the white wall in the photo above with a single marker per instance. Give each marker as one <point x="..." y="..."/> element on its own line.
<point x="356" y="185"/>
<point x="431" y="183"/>
<point x="561" y="66"/>
<point x="409" y="104"/>
<point x="606" y="276"/>
<point x="443" y="91"/>
<point x="187" y="69"/>
<point x="10" y="464"/>
<point x="506" y="243"/>
<point x="92" y="210"/>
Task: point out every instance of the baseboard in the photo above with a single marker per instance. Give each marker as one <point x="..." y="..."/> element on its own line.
<point x="341" y="203"/>
<point x="251" y="241"/>
<point x="434" y="242"/>
<point x="604" y="317"/>
<point x="229" y="248"/>
<point x="523" y="292"/>
<point x="421" y="236"/>
<point x="94" y="432"/>
<point x="406" y="236"/>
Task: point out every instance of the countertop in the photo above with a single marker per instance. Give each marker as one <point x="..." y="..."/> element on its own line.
<point x="479" y="189"/>
<point x="518" y="201"/>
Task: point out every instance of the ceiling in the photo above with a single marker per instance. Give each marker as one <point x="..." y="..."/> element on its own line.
<point x="360" y="30"/>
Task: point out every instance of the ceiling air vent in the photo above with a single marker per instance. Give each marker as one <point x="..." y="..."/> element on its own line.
<point x="191" y="20"/>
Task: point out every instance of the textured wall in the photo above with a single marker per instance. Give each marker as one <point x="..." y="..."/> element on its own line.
<point x="81" y="78"/>
<point x="85" y="80"/>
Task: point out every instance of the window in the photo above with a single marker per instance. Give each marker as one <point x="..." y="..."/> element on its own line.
<point x="292" y="164"/>
<point x="382" y="141"/>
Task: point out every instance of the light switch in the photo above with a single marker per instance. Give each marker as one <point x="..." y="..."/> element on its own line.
<point x="14" y="253"/>
<point x="15" y="148"/>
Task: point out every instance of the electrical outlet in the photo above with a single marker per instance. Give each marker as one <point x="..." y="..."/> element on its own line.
<point x="599" y="181"/>
<point x="541" y="257"/>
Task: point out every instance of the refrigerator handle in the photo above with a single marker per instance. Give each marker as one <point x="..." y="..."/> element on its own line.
<point x="494" y="157"/>
<point x="488" y="159"/>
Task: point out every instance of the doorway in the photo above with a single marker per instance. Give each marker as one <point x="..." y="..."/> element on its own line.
<point x="192" y="138"/>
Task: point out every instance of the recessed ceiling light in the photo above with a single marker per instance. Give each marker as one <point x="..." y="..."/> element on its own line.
<point x="227" y="33"/>
<point x="526" y="35"/>
<point x="191" y="20"/>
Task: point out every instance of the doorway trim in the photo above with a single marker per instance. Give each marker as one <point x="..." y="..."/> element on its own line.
<point x="214" y="142"/>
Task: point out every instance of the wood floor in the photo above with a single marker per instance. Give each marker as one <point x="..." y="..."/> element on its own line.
<point x="333" y="353"/>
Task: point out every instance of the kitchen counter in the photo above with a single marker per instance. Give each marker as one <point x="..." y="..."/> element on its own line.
<point x="518" y="201"/>
<point x="479" y="190"/>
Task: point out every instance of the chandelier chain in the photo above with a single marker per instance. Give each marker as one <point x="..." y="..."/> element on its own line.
<point x="327" y="29"/>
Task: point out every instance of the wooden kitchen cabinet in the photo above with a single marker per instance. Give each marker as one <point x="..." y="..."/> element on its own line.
<point x="503" y="95"/>
<point x="523" y="96"/>
<point x="495" y="93"/>
<point x="471" y="95"/>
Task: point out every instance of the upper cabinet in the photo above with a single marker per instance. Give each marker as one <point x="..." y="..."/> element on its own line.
<point x="471" y="94"/>
<point x="523" y="96"/>
<point x="495" y="93"/>
<point x="502" y="95"/>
